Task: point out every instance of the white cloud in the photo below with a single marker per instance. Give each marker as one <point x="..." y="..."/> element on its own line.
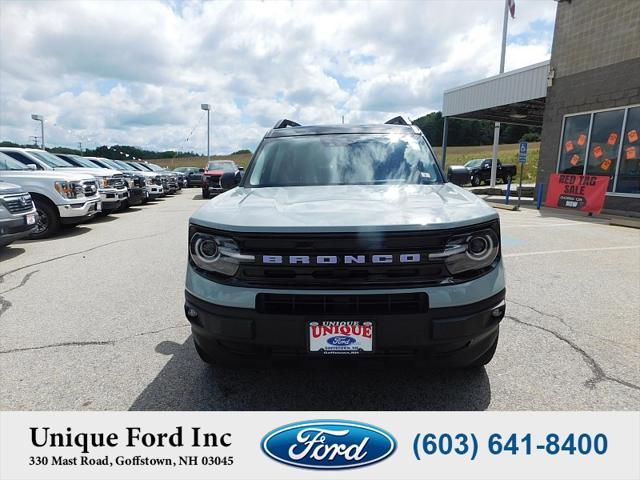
<point x="135" y="72"/>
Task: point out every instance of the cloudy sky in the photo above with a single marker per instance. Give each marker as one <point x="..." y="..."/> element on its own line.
<point x="135" y="73"/>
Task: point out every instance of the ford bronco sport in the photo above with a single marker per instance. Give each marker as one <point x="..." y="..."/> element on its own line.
<point x="342" y="241"/>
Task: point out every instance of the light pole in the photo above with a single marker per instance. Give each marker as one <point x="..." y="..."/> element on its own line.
<point x="207" y="107"/>
<point x="40" y="118"/>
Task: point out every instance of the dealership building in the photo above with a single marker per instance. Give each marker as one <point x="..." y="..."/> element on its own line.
<point x="586" y="98"/>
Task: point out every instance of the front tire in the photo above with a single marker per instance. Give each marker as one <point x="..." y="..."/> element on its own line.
<point x="475" y="181"/>
<point x="205" y="193"/>
<point x="48" y="222"/>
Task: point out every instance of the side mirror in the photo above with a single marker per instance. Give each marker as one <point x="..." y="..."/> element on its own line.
<point x="486" y="165"/>
<point x="31" y="166"/>
<point x="201" y="170"/>
<point x="230" y="180"/>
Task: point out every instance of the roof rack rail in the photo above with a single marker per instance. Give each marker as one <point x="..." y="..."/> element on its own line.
<point x="399" y="120"/>
<point x="284" y="123"/>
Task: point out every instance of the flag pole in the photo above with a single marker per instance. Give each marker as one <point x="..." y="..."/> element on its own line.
<point x="496" y="129"/>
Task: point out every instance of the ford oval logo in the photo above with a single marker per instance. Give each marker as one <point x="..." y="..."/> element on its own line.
<point x="328" y="444"/>
<point x="341" y="340"/>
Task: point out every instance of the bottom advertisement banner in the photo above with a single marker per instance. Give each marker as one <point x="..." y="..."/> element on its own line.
<point x="283" y="445"/>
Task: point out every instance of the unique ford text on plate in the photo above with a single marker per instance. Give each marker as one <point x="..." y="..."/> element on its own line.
<point x="340" y="337"/>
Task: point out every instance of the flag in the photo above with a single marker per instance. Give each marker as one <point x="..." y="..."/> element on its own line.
<point x="512" y="7"/>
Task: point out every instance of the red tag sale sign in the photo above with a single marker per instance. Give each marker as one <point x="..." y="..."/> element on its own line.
<point x="579" y="192"/>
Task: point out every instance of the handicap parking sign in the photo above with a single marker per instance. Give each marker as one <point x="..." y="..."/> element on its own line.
<point x="522" y="158"/>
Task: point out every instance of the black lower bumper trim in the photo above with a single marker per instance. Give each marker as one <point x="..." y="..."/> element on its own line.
<point x="442" y="331"/>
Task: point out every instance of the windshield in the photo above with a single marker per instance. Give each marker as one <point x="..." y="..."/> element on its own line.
<point x="143" y="167"/>
<point x="120" y="165"/>
<point x="153" y="167"/>
<point x="224" y="166"/>
<point x="8" y="163"/>
<point x="85" y="162"/>
<point x="347" y="159"/>
<point x="50" y="159"/>
<point x="474" y="163"/>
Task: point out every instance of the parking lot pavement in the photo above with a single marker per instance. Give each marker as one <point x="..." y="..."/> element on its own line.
<point x="93" y="319"/>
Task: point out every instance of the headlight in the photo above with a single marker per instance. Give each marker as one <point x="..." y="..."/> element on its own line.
<point x="471" y="251"/>
<point x="216" y="254"/>
<point x="130" y="182"/>
<point x="67" y="189"/>
<point x="103" y="182"/>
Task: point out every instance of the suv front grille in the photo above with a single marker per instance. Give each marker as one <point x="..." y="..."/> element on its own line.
<point x="90" y="187"/>
<point x="116" y="182"/>
<point x="330" y="276"/>
<point x="18" y="203"/>
<point x="385" y="304"/>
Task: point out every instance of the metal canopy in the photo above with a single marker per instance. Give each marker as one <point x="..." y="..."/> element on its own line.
<point x="516" y="97"/>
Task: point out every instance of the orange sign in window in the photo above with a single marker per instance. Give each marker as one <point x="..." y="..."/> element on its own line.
<point x="568" y="146"/>
<point x="632" y="135"/>
<point x="630" y="153"/>
<point x="597" y="151"/>
<point x="613" y="138"/>
<point x="575" y="160"/>
<point x="582" y="139"/>
<point x="606" y="164"/>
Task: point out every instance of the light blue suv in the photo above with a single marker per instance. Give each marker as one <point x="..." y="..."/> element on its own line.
<point x="345" y="241"/>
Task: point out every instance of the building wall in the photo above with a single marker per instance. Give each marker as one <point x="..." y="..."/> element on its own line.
<point x="596" y="61"/>
<point x="594" y="33"/>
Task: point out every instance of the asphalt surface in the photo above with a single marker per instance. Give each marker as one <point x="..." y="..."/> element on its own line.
<point x="93" y="320"/>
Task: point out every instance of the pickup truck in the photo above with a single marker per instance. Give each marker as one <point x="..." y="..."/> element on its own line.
<point x="213" y="173"/>
<point x="193" y="175"/>
<point x="60" y="198"/>
<point x="480" y="171"/>
<point x="17" y="213"/>
<point x="344" y="241"/>
<point x="135" y="182"/>
<point x="111" y="184"/>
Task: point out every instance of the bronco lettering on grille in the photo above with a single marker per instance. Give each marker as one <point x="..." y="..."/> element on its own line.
<point x="388" y="258"/>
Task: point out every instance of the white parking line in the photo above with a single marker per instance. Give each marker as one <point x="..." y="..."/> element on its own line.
<point x="526" y="254"/>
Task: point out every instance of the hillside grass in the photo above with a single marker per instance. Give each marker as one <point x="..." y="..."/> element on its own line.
<point x="241" y="159"/>
<point x="507" y="153"/>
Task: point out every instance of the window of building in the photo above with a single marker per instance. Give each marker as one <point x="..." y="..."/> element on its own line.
<point x="629" y="170"/>
<point x="604" y="143"/>
<point x="574" y="144"/>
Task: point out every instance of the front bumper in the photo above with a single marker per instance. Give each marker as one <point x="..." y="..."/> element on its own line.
<point x="72" y="213"/>
<point x="112" y="198"/>
<point x="460" y="324"/>
<point x="15" y="227"/>
<point x="136" y="195"/>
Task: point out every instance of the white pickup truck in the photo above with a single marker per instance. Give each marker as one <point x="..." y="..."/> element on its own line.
<point x="111" y="183"/>
<point x="60" y="198"/>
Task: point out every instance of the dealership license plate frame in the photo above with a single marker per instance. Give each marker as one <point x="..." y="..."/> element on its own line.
<point x="339" y="353"/>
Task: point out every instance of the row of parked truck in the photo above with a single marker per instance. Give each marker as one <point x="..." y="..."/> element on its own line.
<point x="40" y="191"/>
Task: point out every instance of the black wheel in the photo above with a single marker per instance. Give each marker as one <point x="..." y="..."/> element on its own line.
<point x="205" y="193"/>
<point x="475" y="181"/>
<point x="48" y="221"/>
<point x="486" y="357"/>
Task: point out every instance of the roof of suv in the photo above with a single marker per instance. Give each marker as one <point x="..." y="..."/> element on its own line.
<point x="337" y="129"/>
<point x="288" y="128"/>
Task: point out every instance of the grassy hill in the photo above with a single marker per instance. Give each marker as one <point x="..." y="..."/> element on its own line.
<point x="241" y="159"/>
<point x="455" y="156"/>
<point x="507" y="153"/>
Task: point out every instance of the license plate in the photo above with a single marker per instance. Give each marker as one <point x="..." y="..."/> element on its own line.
<point x="340" y="337"/>
<point x="30" y="218"/>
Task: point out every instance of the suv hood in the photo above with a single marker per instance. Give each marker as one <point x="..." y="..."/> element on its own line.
<point x="344" y="208"/>
<point x="9" y="188"/>
<point x="46" y="174"/>
<point x="96" y="172"/>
